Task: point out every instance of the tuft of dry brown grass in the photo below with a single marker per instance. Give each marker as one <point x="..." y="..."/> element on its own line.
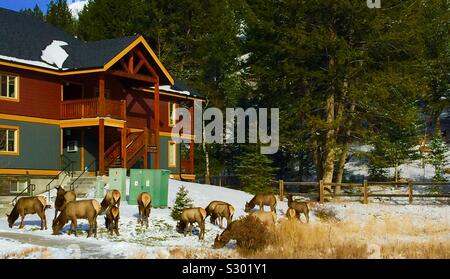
<point x="27" y="252"/>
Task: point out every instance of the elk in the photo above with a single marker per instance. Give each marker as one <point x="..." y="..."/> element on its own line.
<point x="219" y="209"/>
<point x="262" y="200"/>
<point x="229" y="233"/>
<point x="267" y="218"/>
<point x="62" y="197"/>
<point x="112" y="219"/>
<point x="112" y="198"/>
<point x="26" y="206"/>
<point x="144" y="201"/>
<point x="290" y="213"/>
<point x="74" y="210"/>
<point x="189" y="216"/>
<point x="299" y="207"/>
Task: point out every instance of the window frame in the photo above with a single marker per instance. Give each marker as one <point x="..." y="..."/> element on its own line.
<point x="17" y="189"/>
<point x="170" y="156"/>
<point x="172" y="119"/>
<point x="16" y="141"/>
<point x="16" y="87"/>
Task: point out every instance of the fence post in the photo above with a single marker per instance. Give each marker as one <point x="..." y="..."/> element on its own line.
<point x="281" y="187"/>
<point x="366" y="192"/>
<point x="410" y="192"/>
<point x="321" y="191"/>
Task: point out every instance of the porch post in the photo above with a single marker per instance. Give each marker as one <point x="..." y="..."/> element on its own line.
<point x="124" y="145"/>
<point x="156" y="111"/>
<point x="101" y="95"/>
<point x="146" y="148"/>
<point x="101" y="147"/>
<point x="191" y="156"/>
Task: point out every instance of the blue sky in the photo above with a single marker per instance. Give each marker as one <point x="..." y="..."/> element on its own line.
<point x="23" y="4"/>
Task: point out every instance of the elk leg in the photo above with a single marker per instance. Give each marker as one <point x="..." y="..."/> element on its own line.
<point x="95" y="226"/>
<point x="116" y="227"/>
<point x="261" y="207"/>
<point x="202" y="230"/>
<point x="185" y="228"/>
<point x="43" y="222"/>
<point x="307" y="216"/>
<point x="75" y="226"/>
<point x="56" y="213"/>
<point x="139" y="218"/>
<point x="22" y="216"/>
<point x="91" y="227"/>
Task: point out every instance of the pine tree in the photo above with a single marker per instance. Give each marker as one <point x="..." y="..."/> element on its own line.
<point x="36" y="11"/>
<point x="255" y="172"/>
<point x="437" y="156"/>
<point x="182" y="201"/>
<point x="59" y="15"/>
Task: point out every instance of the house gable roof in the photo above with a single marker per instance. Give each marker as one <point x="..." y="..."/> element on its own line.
<point x="24" y="38"/>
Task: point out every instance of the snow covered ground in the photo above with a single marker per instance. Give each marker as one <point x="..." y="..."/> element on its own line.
<point x="161" y="237"/>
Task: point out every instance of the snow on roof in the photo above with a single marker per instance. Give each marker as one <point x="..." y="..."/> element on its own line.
<point x="168" y="88"/>
<point x="28" y="62"/>
<point x="55" y="54"/>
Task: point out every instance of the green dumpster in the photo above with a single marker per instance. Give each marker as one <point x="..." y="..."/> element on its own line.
<point x="136" y="182"/>
<point x="99" y="189"/>
<point x="118" y="180"/>
<point x="154" y="182"/>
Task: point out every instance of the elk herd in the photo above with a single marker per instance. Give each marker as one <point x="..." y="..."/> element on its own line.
<point x="71" y="209"/>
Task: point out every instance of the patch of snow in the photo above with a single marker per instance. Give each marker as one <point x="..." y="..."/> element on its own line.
<point x="54" y="54"/>
<point x="28" y="62"/>
<point x="76" y="7"/>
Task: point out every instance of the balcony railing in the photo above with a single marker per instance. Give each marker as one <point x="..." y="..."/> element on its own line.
<point x="90" y="108"/>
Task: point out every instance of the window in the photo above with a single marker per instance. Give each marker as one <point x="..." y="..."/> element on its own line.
<point x="9" y="139"/>
<point x="8" y="86"/>
<point x="172" y="114"/>
<point x="17" y="186"/>
<point x="72" y="146"/>
<point x="172" y="154"/>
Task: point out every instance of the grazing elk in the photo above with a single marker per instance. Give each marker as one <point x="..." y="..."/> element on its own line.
<point x="188" y="217"/>
<point x="112" y="198"/>
<point x="112" y="219"/>
<point x="291" y="214"/>
<point x="63" y="196"/>
<point x="262" y="200"/>
<point x="229" y="233"/>
<point x="299" y="207"/>
<point x="74" y="210"/>
<point x="144" y="201"/>
<point x="267" y="218"/>
<point x="220" y="210"/>
<point x="28" y="205"/>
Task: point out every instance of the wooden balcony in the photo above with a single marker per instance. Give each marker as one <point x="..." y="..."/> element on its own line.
<point x="91" y="108"/>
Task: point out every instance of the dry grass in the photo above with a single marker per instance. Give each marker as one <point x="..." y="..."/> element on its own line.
<point x="378" y="238"/>
<point x="44" y="253"/>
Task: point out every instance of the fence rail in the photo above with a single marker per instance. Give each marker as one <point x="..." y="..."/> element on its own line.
<point x="322" y="190"/>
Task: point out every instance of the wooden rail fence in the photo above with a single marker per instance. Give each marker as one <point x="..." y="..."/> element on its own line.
<point x="325" y="190"/>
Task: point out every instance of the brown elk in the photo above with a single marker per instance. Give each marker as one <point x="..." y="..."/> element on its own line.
<point x="220" y="210"/>
<point x="189" y="216"/>
<point x="229" y="233"/>
<point x="28" y="205"/>
<point x="74" y="210"/>
<point x="62" y="197"/>
<point x="144" y="201"/>
<point x="112" y="198"/>
<point x="299" y="207"/>
<point x="262" y="200"/>
<point x="291" y="214"/>
<point x="112" y="219"/>
<point x="267" y="218"/>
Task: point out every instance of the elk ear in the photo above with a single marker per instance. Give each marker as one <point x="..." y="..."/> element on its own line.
<point x="7" y="215"/>
<point x="217" y="237"/>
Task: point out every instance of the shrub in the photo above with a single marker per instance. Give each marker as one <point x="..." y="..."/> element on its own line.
<point x="251" y="235"/>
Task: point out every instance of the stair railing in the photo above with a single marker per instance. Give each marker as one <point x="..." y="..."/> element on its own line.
<point x="72" y="186"/>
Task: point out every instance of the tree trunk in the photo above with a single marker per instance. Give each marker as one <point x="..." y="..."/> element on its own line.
<point x="396" y="172"/>
<point x="318" y="162"/>
<point x="330" y="142"/>
<point x="341" y="167"/>
<point x="205" y="150"/>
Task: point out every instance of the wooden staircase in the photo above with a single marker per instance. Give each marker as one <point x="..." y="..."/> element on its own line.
<point x="138" y="143"/>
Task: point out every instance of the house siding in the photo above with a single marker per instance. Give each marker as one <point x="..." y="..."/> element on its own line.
<point x="39" y="147"/>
